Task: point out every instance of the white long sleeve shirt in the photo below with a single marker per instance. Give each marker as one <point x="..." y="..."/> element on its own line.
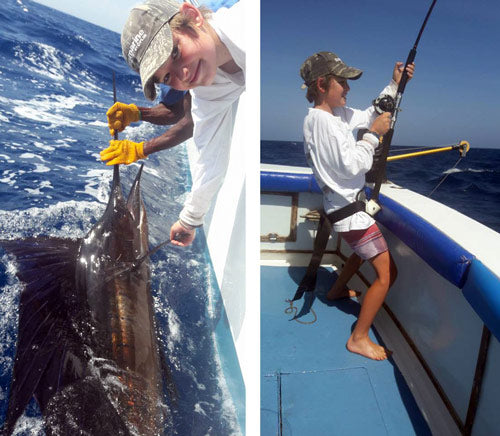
<point x="338" y="161"/>
<point x="213" y="109"/>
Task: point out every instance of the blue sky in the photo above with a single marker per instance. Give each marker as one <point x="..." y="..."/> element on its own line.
<point x="110" y="14"/>
<point x="456" y="88"/>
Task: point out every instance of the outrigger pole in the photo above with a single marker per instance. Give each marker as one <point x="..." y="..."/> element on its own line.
<point x="386" y="142"/>
<point x="463" y="146"/>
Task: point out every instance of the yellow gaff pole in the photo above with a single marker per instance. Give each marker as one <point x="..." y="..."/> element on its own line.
<point x="463" y="146"/>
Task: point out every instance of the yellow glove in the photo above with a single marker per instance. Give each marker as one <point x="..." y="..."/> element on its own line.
<point x="123" y="152"/>
<point x="120" y="115"/>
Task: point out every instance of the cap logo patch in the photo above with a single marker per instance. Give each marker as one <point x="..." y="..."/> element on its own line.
<point x="136" y="43"/>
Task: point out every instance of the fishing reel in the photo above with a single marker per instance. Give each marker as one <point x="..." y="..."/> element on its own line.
<point x="384" y="103"/>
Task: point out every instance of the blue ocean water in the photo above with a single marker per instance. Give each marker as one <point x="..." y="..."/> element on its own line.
<point x="472" y="187"/>
<point x="55" y="87"/>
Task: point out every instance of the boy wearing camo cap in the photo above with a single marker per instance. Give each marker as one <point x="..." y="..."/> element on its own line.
<point x="339" y="164"/>
<point x="191" y="49"/>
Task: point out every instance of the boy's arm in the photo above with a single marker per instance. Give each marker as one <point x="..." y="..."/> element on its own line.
<point x="163" y="114"/>
<point x="178" y="133"/>
<point x="126" y="152"/>
<point x="362" y="119"/>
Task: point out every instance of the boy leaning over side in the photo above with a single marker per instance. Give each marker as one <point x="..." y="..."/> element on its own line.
<point x="187" y="48"/>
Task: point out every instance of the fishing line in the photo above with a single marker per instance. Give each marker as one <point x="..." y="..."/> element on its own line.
<point x="446" y="175"/>
<point x="412" y="149"/>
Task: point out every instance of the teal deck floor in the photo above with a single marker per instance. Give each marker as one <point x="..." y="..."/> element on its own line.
<point x="310" y="384"/>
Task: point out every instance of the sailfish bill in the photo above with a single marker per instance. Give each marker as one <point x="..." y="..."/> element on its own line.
<point x="87" y="347"/>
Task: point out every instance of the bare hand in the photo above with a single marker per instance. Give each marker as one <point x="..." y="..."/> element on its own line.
<point x="398" y="71"/>
<point x="181" y="236"/>
<point x="381" y="124"/>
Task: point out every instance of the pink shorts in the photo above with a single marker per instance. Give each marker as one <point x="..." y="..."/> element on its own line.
<point x="366" y="243"/>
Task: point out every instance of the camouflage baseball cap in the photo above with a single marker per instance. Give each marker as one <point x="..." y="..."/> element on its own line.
<point x="325" y="62"/>
<point x="147" y="40"/>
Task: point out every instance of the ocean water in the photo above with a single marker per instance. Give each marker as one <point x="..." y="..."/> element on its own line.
<point x="55" y="88"/>
<point x="472" y="187"/>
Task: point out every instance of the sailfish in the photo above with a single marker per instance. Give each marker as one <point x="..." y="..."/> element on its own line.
<point x="87" y="348"/>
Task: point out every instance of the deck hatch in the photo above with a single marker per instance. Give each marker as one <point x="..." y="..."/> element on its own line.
<point x="343" y="392"/>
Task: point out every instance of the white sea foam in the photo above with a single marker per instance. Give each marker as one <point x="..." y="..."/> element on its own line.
<point x="23" y="7"/>
<point x="4" y="118"/>
<point x="39" y="168"/>
<point x="66" y="167"/>
<point x="98" y="184"/>
<point x="9" y="176"/>
<point x="140" y="131"/>
<point x="30" y="156"/>
<point x="174" y="328"/>
<point x="64" y="219"/>
<point x="467" y="170"/>
<point x="83" y="39"/>
<point x="228" y="408"/>
<point x="29" y="425"/>
<point x="50" y="109"/>
<point x="9" y="179"/>
<point x="148" y="170"/>
<point x="198" y="408"/>
<point x="98" y="123"/>
<point x="35" y="191"/>
<point x="44" y="146"/>
<point x="46" y="60"/>
<point x="38" y="191"/>
<point x="63" y="143"/>
<point x="85" y="82"/>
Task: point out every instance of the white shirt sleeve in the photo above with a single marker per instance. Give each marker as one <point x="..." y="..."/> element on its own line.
<point x="212" y="136"/>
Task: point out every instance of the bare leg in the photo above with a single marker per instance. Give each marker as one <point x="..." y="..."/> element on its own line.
<point x="338" y="288"/>
<point x="359" y="342"/>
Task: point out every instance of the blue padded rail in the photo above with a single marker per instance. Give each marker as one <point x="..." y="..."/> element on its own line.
<point x="288" y="182"/>
<point x="482" y="291"/>
<point x="439" y="251"/>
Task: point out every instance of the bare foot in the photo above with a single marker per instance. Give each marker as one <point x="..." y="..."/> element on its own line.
<point x="366" y="347"/>
<point x="335" y="294"/>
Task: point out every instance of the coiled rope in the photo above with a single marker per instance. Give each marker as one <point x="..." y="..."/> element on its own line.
<point x="293" y="310"/>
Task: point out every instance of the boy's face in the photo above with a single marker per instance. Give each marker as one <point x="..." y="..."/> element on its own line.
<point x="336" y="95"/>
<point x="192" y="62"/>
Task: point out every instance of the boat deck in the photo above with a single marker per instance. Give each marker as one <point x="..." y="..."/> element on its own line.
<point x="310" y="383"/>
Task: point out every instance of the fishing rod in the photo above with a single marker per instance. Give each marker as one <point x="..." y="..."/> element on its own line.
<point x="372" y="205"/>
<point x="463" y="146"/>
<point x="115" y="135"/>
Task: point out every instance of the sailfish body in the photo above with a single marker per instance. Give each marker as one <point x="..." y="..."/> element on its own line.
<point x="87" y="346"/>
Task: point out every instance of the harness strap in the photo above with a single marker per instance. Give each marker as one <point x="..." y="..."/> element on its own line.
<point x="308" y="283"/>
